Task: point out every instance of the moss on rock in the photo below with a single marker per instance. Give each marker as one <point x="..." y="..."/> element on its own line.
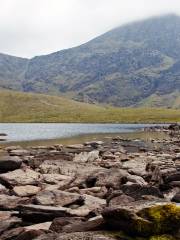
<point x="165" y="218"/>
<point x="154" y="219"/>
<point x="162" y="237"/>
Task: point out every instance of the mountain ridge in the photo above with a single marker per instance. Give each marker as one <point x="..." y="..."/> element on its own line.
<point x="122" y="67"/>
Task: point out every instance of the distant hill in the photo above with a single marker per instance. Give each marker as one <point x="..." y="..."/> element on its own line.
<point x="137" y="64"/>
<point x="29" y="107"/>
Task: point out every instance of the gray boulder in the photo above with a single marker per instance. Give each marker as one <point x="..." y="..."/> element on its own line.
<point x="58" y="198"/>
<point x="9" y="163"/>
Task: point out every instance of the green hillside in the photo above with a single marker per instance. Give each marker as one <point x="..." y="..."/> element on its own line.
<point x="28" y="107"/>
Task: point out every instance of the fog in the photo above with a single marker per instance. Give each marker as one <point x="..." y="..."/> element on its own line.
<point x="34" y="27"/>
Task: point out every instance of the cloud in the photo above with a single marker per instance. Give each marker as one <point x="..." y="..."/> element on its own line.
<point x="35" y="27"/>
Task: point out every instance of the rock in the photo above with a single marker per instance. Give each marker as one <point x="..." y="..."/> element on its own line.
<point x="109" y="156"/>
<point x="82" y="211"/>
<point x="136" y="179"/>
<point x="176" y="198"/>
<point x="122" y="199"/>
<point x="144" y="218"/>
<point x="20" y="177"/>
<point x="39" y="213"/>
<point x="113" y="177"/>
<point x="7" y="221"/>
<point x="58" y="198"/>
<point x="76" y="146"/>
<point x="8" y="163"/>
<point x="68" y="168"/>
<point x="21" y="234"/>
<point x="40" y="226"/>
<point x="94" y="143"/>
<point x="12" y="233"/>
<point x="173" y="177"/>
<point x="137" y="191"/>
<point x="174" y="127"/>
<point x="86" y="157"/>
<point x="77" y="236"/>
<point x="2" y="189"/>
<point x="94" y="203"/>
<point x="55" y="178"/>
<point x="168" y="195"/>
<point x="3" y="134"/>
<point x="137" y="164"/>
<point x="50" y="236"/>
<point x="93" y="224"/>
<point x="26" y="191"/>
<point x="18" y="152"/>
<point x="175" y="184"/>
<point x="99" y="192"/>
<point x="11" y="148"/>
<point x="11" y="202"/>
<point x="50" y="187"/>
<point x="59" y="223"/>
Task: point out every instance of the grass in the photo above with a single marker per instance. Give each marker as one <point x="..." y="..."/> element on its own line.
<point x="29" y="107"/>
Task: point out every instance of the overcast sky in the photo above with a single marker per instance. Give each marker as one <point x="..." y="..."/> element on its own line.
<point x="35" y="27"/>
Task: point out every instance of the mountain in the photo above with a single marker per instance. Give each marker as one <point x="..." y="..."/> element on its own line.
<point x="30" y="107"/>
<point x="12" y="70"/>
<point x="133" y="65"/>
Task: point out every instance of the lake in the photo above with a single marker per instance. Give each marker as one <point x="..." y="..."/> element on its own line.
<point x="18" y="132"/>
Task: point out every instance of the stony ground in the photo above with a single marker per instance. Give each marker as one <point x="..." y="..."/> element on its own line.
<point x="118" y="189"/>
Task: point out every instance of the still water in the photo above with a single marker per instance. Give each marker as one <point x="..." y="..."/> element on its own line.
<point x="44" y="131"/>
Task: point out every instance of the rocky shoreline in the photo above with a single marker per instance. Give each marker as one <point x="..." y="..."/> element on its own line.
<point x="119" y="189"/>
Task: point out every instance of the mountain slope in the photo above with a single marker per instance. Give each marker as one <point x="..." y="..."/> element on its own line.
<point x="12" y="71"/>
<point x="122" y="67"/>
<point x="28" y="107"/>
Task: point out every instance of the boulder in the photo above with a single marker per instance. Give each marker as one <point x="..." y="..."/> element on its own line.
<point x="99" y="192"/>
<point x="11" y="202"/>
<point x="11" y="148"/>
<point x="86" y="157"/>
<point x="75" y="146"/>
<point x="94" y="224"/>
<point x="21" y="234"/>
<point x="173" y="177"/>
<point x="136" y="179"/>
<point x="144" y="218"/>
<point x="3" y="189"/>
<point x="112" y="177"/>
<point x="9" y="163"/>
<point x="122" y="199"/>
<point x="94" y="143"/>
<point x="137" y="164"/>
<point x="176" y="198"/>
<point x="19" y="152"/>
<point x="77" y="236"/>
<point x="40" y="226"/>
<point x="12" y="233"/>
<point x="58" y="224"/>
<point x="50" y="236"/>
<point x="26" y="191"/>
<point x="39" y="213"/>
<point x="7" y="221"/>
<point x="3" y="134"/>
<point x="55" y="178"/>
<point x="137" y="191"/>
<point x="175" y="184"/>
<point x="20" y="177"/>
<point x="68" y="168"/>
<point x="94" y="203"/>
<point x="58" y="198"/>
